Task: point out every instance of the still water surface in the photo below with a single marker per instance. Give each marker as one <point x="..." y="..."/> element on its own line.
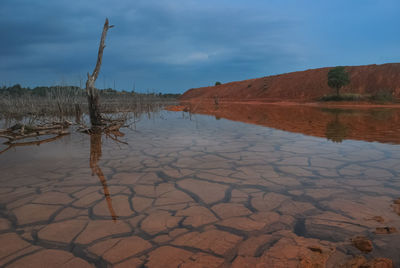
<point x="198" y="190"/>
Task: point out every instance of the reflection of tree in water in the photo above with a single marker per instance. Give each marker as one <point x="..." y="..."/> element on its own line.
<point x="336" y="131"/>
<point x="95" y="155"/>
<point x="381" y="114"/>
<point x="375" y="114"/>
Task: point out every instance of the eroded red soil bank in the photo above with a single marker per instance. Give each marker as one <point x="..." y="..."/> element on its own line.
<point x="303" y="86"/>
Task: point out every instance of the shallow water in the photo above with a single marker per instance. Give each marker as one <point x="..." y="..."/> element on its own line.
<point x="191" y="190"/>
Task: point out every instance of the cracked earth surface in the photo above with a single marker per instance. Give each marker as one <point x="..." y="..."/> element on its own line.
<point x="200" y="193"/>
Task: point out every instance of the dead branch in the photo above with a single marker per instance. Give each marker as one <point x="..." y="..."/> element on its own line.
<point x="30" y="143"/>
<point x="19" y="131"/>
<point x="116" y="135"/>
<point x="34" y="134"/>
<point x="92" y="94"/>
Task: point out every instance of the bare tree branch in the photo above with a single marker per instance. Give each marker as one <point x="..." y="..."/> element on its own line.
<point x="93" y="95"/>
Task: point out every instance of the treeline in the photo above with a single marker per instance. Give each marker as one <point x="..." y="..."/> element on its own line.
<point x="42" y="91"/>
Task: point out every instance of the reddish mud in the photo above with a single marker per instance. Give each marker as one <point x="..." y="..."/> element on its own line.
<point x="303" y="86"/>
<point x="362" y="243"/>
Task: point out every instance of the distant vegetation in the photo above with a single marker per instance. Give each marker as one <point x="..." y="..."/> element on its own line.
<point x="17" y="90"/>
<point x="382" y="96"/>
<point x="343" y="97"/>
<point x="17" y="101"/>
<point x="218" y="83"/>
<point x="338" y="78"/>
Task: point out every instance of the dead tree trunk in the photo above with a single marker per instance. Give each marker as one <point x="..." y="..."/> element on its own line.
<point x="96" y="119"/>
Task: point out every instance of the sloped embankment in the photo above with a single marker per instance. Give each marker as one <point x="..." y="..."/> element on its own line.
<point x="303" y="86"/>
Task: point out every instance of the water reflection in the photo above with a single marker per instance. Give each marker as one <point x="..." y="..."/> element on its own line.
<point x="95" y="156"/>
<point x="336" y="131"/>
<point x="379" y="124"/>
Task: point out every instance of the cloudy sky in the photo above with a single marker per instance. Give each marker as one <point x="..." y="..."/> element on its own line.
<point x="174" y="45"/>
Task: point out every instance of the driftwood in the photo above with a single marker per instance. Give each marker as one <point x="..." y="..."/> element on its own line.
<point x="109" y="126"/>
<point x="96" y="119"/>
<point x="31" y="143"/>
<point x="34" y="134"/>
<point x="20" y="131"/>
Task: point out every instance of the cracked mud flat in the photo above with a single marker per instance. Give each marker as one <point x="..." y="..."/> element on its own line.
<point x="200" y="193"/>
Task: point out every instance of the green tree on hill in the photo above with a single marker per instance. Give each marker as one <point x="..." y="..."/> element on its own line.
<point x="337" y="78"/>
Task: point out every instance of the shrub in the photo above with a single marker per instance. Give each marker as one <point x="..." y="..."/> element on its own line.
<point x="382" y="96"/>
<point x="218" y="83"/>
<point x="338" y="78"/>
<point x="343" y="97"/>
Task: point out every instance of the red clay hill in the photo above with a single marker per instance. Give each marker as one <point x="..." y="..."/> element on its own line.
<point x="304" y="86"/>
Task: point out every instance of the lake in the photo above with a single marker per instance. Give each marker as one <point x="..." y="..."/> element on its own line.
<point x="231" y="185"/>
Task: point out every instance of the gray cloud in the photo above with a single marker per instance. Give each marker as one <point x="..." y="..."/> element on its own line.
<point x="163" y="45"/>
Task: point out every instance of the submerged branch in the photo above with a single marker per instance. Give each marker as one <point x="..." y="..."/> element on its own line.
<point x="31" y="143"/>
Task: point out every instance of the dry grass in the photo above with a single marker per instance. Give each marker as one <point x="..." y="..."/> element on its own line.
<point x="62" y="104"/>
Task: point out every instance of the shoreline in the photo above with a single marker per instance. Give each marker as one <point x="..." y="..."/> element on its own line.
<point x="365" y="105"/>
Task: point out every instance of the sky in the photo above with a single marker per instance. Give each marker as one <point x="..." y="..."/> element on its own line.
<point x="170" y="46"/>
